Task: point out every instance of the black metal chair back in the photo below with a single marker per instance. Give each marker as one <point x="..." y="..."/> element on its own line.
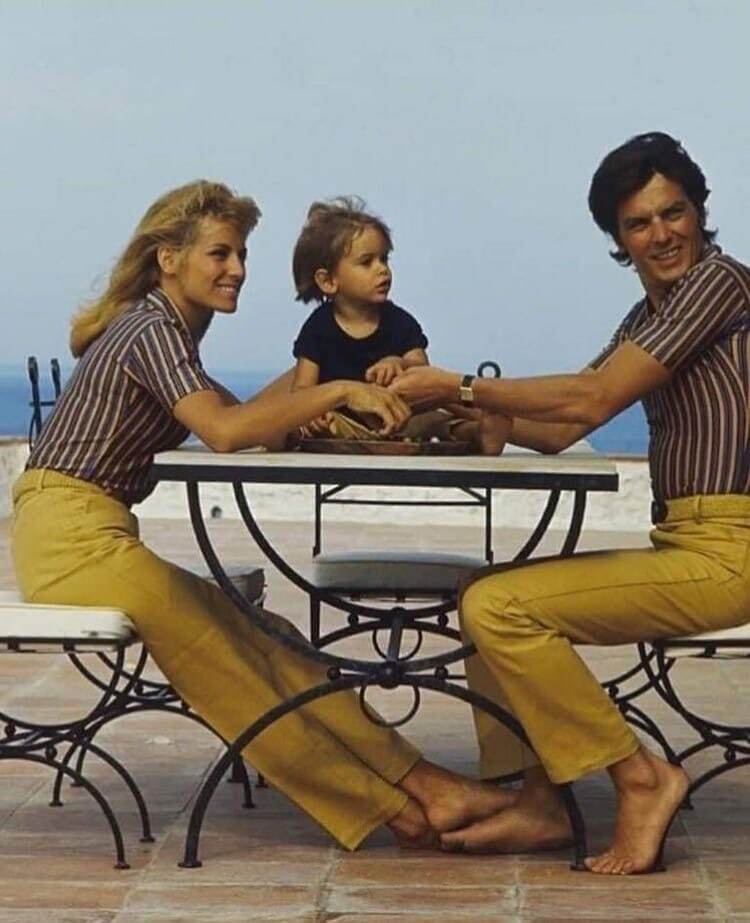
<point x="36" y="403"/>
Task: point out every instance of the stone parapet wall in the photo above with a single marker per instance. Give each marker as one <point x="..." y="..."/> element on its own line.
<point x="627" y="510"/>
<point x="13" y="455"/>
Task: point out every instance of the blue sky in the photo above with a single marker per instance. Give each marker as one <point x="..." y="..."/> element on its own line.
<point x="473" y="128"/>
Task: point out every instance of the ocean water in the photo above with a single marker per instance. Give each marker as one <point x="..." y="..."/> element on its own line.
<point x="626" y="434"/>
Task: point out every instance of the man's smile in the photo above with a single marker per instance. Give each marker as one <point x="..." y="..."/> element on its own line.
<point x="667" y="255"/>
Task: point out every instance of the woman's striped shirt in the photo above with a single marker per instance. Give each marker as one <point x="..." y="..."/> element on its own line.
<point x="699" y="421"/>
<point x="115" y="412"/>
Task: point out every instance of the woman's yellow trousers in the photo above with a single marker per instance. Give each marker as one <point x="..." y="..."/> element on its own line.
<point x="73" y="544"/>
<point x="525" y="620"/>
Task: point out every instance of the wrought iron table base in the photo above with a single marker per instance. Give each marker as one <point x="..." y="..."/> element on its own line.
<point x="395" y="670"/>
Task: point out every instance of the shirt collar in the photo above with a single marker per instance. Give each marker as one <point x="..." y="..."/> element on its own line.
<point x="158" y="298"/>
<point x="709" y="251"/>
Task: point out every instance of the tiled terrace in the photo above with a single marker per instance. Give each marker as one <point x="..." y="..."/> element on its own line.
<point x="274" y="864"/>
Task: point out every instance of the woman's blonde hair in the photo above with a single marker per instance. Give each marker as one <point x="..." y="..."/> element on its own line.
<point x="172" y="221"/>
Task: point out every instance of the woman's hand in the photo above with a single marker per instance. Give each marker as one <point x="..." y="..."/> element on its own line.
<point x="320" y="426"/>
<point x="426" y="386"/>
<point x="385" y="370"/>
<point x="390" y="409"/>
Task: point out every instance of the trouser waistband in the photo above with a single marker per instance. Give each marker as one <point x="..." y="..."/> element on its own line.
<point x="36" y="478"/>
<point x="708" y="506"/>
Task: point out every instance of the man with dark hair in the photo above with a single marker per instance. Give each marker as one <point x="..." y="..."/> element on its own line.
<point x="684" y="350"/>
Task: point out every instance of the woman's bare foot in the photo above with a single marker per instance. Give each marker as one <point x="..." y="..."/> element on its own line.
<point x="650" y="791"/>
<point x="412" y="829"/>
<point x="450" y="800"/>
<point x="537" y="821"/>
<point x="494" y="430"/>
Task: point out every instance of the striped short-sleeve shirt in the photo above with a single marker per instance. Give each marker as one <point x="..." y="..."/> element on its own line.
<point x="116" y="410"/>
<point x="699" y="424"/>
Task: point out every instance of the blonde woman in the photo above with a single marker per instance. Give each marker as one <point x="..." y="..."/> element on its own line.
<point x="138" y="388"/>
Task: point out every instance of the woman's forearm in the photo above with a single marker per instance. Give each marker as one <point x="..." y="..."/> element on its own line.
<point x="259" y="421"/>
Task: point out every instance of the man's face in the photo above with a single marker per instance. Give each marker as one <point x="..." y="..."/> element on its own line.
<point x="659" y="228"/>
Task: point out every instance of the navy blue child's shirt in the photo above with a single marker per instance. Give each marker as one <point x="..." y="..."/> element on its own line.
<point x="339" y="355"/>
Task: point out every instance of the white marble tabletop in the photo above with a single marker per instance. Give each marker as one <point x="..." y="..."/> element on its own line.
<point x="577" y="468"/>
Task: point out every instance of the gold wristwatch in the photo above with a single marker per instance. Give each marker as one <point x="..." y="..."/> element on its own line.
<point x="466" y="391"/>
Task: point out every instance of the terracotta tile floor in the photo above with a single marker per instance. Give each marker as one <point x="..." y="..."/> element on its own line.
<point x="274" y="864"/>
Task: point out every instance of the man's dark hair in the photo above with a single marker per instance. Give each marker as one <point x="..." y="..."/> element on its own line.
<point x="629" y="167"/>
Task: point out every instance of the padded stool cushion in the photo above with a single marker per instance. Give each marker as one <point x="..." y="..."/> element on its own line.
<point x="250" y="581"/>
<point x="31" y="627"/>
<point x="739" y="633"/>
<point x="419" y="571"/>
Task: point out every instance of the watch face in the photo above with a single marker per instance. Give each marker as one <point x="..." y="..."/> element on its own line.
<point x="465" y="391"/>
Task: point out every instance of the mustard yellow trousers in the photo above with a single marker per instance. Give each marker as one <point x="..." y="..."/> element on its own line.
<point x="73" y="544"/>
<point x="525" y="621"/>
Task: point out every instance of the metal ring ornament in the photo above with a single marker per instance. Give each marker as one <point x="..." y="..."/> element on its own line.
<point x="375" y="718"/>
<point x="491" y="366"/>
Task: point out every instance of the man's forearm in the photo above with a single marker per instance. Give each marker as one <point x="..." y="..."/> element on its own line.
<point x="563" y="399"/>
<point x="549" y="438"/>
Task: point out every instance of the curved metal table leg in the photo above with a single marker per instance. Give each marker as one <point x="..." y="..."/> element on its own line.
<point x="388" y="674"/>
<point x="338" y="684"/>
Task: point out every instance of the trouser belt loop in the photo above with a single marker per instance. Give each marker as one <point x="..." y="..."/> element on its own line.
<point x="658" y="511"/>
<point x="698" y="516"/>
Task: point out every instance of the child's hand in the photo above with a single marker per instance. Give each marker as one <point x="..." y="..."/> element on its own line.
<point x="385" y="370"/>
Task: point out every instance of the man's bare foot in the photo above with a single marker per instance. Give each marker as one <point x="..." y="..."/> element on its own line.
<point x="650" y="791"/>
<point x="412" y="829"/>
<point x="537" y="821"/>
<point x="494" y="430"/>
<point x="450" y="800"/>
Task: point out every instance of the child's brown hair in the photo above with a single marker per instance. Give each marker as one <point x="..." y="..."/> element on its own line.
<point x="326" y="237"/>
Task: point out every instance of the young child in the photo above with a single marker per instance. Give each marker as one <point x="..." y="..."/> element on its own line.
<point x="341" y="260"/>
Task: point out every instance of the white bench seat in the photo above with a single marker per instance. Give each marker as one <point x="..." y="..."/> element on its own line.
<point x="44" y="627"/>
<point x="28" y="627"/>
<point x="696" y="645"/>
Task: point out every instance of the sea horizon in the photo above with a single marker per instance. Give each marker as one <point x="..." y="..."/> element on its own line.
<point x="625" y="434"/>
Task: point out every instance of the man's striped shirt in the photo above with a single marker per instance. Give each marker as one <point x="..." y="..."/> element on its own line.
<point x="699" y="421"/>
<point x="115" y="412"/>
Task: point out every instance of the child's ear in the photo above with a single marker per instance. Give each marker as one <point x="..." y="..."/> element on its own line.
<point x="325" y="282"/>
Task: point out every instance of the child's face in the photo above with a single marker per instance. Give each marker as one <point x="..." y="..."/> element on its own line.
<point x="363" y="275"/>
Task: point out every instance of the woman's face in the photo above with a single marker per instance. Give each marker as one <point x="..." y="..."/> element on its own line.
<point x="207" y="275"/>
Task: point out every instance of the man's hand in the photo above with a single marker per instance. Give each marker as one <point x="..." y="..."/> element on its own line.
<point x="426" y="386"/>
<point x="372" y="399"/>
<point x="385" y="370"/>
